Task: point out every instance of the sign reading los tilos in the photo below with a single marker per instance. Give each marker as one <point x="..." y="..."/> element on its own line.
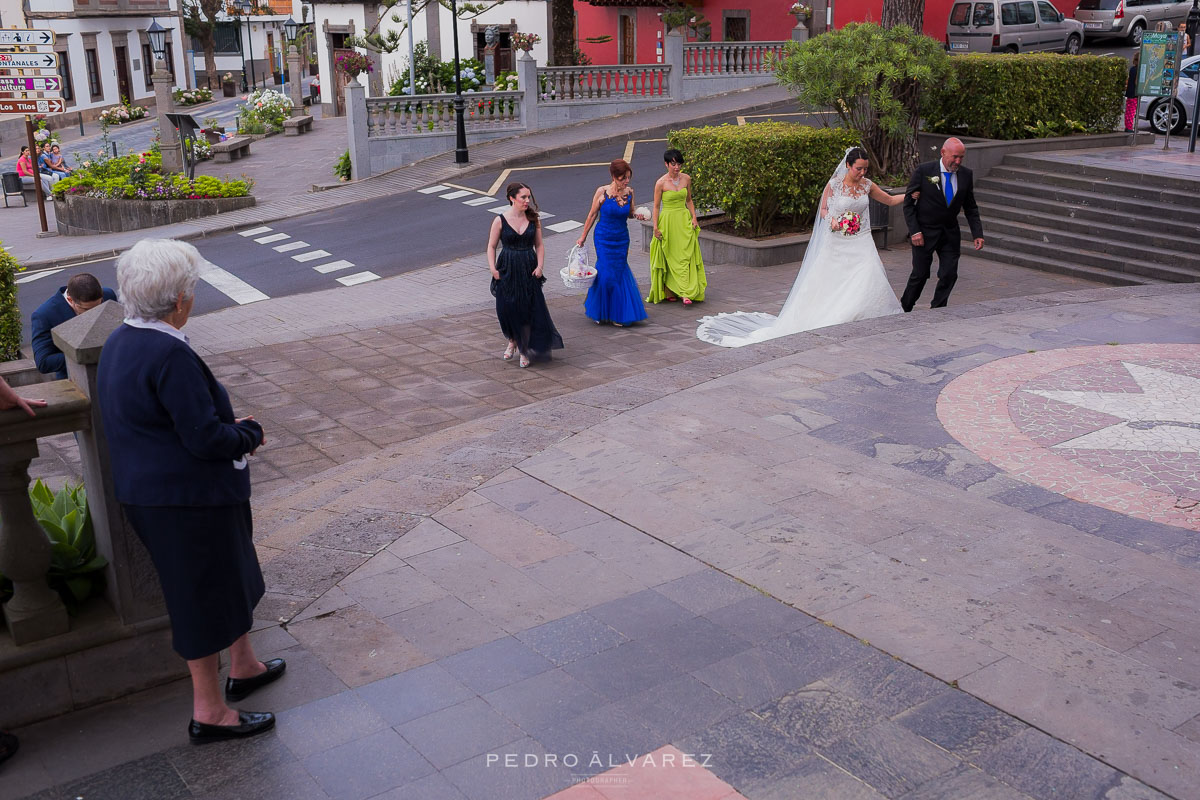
<point x="51" y="83"/>
<point x="15" y="36"/>
<point x="28" y="60"/>
<point x="48" y="105"/>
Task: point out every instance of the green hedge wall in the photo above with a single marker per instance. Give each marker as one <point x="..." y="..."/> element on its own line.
<point x="10" y="315"/>
<point x="1030" y="95"/>
<point x="758" y="172"/>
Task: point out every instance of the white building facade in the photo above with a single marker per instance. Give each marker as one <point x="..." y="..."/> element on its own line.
<point x="103" y="53"/>
<point x="338" y="22"/>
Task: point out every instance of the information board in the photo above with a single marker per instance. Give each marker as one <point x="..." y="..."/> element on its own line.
<point x="1158" y="64"/>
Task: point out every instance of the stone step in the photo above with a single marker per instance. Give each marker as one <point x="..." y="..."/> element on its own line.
<point x="1143" y="271"/>
<point x="1066" y="233"/>
<point x="1124" y="189"/>
<point x="996" y="251"/>
<point x="1036" y="208"/>
<point x="1048" y="164"/>
<point x="1163" y="212"/>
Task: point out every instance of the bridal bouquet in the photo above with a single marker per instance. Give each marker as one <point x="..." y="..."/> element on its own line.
<point x="847" y="224"/>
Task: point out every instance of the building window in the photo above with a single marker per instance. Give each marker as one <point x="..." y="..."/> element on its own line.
<point x="64" y="72"/>
<point x="170" y="54"/>
<point x="737" y="26"/>
<point x="227" y="38"/>
<point x="148" y="66"/>
<point x="93" y="72"/>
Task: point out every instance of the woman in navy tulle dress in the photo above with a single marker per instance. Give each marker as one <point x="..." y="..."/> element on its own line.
<point x="615" y="296"/>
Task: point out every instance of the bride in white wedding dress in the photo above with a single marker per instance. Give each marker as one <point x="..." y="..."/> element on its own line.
<point x="841" y="278"/>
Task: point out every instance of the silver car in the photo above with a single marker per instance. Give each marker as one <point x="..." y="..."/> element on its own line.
<point x="1128" y="19"/>
<point x="1011" y="26"/>
<point x="1178" y="117"/>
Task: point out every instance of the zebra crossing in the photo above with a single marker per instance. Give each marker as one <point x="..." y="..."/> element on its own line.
<point x="449" y="192"/>
<point x="265" y="235"/>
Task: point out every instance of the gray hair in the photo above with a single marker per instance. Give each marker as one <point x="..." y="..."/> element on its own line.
<point x="153" y="273"/>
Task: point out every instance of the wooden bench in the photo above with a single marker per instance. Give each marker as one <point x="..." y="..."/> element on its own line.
<point x="231" y="149"/>
<point x="294" y="126"/>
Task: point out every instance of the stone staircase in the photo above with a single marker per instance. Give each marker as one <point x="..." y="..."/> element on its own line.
<point x="1106" y="224"/>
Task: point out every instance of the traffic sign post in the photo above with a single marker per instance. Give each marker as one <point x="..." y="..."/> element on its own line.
<point x="37" y="175"/>
<point x="28" y="61"/>
<point x="51" y="83"/>
<point x="26" y="36"/>
<point x="48" y="105"/>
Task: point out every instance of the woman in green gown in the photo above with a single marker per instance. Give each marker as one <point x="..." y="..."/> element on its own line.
<point x="676" y="267"/>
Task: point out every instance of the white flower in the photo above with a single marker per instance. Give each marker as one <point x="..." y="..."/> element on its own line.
<point x="936" y="180"/>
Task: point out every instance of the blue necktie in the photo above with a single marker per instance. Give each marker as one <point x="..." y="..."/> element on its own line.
<point x="949" y="188"/>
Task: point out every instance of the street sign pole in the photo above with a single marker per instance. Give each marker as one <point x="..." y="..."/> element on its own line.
<point x="37" y="175"/>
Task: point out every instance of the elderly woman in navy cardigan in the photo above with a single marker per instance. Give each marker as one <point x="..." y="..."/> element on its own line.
<point x="180" y="471"/>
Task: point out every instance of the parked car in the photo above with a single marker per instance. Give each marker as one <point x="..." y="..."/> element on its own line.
<point x="1011" y="26"/>
<point x="1128" y="19"/>
<point x="1158" y="111"/>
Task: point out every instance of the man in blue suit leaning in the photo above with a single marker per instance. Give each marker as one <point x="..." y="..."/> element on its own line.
<point x="82" y="293"/>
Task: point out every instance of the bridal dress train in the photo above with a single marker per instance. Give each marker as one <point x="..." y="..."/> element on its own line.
<point x="841" y="280"/>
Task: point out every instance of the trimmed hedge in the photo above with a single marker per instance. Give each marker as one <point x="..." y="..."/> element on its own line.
<point x="1030" y="95"/>
<point x="759" y="172"/>
<point x="10" y="315"/>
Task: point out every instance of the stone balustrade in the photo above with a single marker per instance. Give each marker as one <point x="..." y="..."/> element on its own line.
<point x="433" y="114"/>
<point x="599" y="83"/>
<point x="729" y="58"/>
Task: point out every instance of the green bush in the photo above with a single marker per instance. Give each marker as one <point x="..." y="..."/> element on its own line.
<point x="139" y="176"/>
<point x="341" y="168"/>
<point x="757" y="173"/>
<point x="10" y="315"/>
<point x="1031" y="95"/>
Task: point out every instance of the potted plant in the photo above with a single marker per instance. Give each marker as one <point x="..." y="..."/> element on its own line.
<point x="228" y="87"/>
<point x="525" y="41"/>
<point x="353" y="63"/>
<point x="213" y="130"/>
<point x="313" y="65"/>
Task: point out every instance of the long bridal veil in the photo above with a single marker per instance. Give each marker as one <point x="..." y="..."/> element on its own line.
<point x="741" y="328"/>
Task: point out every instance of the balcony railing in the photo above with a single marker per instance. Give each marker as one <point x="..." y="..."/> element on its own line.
<point x="729" y="58"/>
<point x="430" y="114"/>
<point x="600" y="83"/>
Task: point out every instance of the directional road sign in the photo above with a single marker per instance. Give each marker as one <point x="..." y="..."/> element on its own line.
<point x="28" y="60"/>
<point x="48" y="106"/>
<point x="48" y="84"/>
<point x="26" y="36"/>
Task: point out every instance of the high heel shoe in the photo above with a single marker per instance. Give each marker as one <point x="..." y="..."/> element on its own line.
<point x="687" y="301"/>
<point x="524" y="362"/>
<point x="510" y="351"/>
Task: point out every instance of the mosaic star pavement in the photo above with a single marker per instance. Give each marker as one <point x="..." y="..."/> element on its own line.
<point x="1113" y="425"/>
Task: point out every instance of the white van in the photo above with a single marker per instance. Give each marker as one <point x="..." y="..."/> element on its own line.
<point x="1011" y="26"/>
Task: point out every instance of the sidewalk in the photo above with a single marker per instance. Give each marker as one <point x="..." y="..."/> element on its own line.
<point x="290" y="194"/>
<point x="640" y="560"/>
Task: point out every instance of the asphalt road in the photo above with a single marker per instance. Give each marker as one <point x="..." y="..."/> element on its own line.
<point x="392" y="235"/>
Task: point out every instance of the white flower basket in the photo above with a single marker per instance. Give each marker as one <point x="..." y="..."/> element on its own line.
<point x="577" y="274"/>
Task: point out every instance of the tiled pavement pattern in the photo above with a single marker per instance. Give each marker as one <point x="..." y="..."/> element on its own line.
<point x="576" y="575"/>
<point x="338" y="374"/>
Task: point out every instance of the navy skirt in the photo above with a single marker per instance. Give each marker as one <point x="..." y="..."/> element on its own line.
<point x="208" y="568"/>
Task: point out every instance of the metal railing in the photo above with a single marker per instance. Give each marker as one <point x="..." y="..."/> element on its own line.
<point x="729" y="58"/>
<point x="433" y="114"/>
<point x="602" y="83"/>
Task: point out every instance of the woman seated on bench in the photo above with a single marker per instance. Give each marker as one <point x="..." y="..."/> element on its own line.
<point x="55" y="162"/>
<point x="27" y="172"/>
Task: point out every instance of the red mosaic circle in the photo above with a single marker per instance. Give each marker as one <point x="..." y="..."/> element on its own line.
<point x="1116" y="426"/>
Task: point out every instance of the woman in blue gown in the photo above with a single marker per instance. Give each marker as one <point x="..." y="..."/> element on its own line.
<point x="614" y="297"/>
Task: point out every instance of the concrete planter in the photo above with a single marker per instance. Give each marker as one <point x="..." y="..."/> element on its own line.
<point x="82" y="216"/>
<point x="721" y="248"/>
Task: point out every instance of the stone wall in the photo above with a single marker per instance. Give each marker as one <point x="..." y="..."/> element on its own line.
<point x="81" y="216"/>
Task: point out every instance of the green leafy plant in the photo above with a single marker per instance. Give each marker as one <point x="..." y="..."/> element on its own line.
<point x="10" y="314"/>
<point x="437" y="77"/>
<point x="264" y="111"/>
<point x="139" y="176"/>
<point x="341" y="167"/>
<point x="764" y="171"/>
<point x="874" y="79"/>
<point x="75" y="567"/>
<point x="1031" y="95"/>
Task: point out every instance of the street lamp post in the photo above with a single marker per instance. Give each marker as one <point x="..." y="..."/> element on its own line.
<point x="290" y="29"/>
<point x="1193" y="29"/>
<point x="460" y="123"/>
<point x="172" y="154"/>
<point x="244" y="6"/>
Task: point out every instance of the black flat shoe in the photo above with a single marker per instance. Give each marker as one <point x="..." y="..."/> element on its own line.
<point x="250" y="723"/>
<point x="240" y="688"/>
<point x="8" y="746"/>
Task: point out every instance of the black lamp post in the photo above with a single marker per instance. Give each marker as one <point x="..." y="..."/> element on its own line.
<point x="460" y="123"/>
<point x="244" y="6"/>
<point x="1193" y="25"/>
<point x="157" y="35"/>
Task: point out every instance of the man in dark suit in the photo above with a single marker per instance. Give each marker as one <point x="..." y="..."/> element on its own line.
<point x="82" y="293"/>
<point x="946" y="188"/>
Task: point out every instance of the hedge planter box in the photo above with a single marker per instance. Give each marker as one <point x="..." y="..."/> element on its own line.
<point x="82" y="216"/>
<point x="721" y="248"/>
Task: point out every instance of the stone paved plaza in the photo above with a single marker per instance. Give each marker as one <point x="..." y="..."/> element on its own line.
<point x="942" y="555"/>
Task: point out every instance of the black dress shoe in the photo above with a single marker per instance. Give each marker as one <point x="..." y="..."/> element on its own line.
<point x="8" y="746"/>
<point x="240" y="688"/>
<point x="250" y="723"/>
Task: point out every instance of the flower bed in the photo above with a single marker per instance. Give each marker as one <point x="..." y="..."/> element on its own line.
<point x="264" y="112"/>
<point x="140" y="177"/>
<point x="191" y="97"/>
<point x="118" y="115"/>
